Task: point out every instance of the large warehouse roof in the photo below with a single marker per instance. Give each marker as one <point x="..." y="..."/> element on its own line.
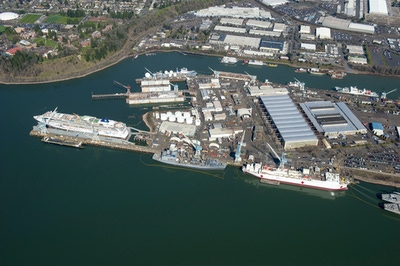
<point x="378" y="7"/>
<point x="291" y="125"/>
<point x="8" y="16"/>
<point x="332" y="119"/>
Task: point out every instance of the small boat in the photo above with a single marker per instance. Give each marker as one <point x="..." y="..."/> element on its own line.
<point x="272" y="65"/>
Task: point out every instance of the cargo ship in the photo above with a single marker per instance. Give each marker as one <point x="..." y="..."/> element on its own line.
<point x="74" y="124"/>
<point x="355" y="91"/>
<point x="280" y="175"/>
<point x="171" y="157"/>
<point x="229" y="60"/>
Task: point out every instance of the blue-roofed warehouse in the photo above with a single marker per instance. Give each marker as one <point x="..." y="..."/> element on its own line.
<point x="377" y="128"/>
<point x="291" y="127"/>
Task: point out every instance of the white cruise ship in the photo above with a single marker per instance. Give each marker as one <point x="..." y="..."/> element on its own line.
<point x="279" y="175"/>
<point x="88" y="125"/>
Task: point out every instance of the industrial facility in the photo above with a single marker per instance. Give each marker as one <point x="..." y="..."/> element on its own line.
<point x="333" y="119"/>
<point x="291" y="127"/>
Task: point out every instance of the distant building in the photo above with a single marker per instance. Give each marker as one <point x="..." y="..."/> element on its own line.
<point x="376" y="128"/>
<point x="12" y="51"/>
<point x="333" y="119"/>
<point x="378" y="7"/>
<point x="323" y="33"/>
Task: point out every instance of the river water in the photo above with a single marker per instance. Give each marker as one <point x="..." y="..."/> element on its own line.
<point x="95" y="206"/>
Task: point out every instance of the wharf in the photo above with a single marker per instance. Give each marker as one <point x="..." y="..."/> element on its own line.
<point x="126" y="146"/>
<point x="109" y="96"/>
<point x="171" y="79"/>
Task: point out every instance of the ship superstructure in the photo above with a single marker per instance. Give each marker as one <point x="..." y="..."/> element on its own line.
<point x="229" y="60"/>
<point x="87" y="125"/>
<point x="280" y="174"/>
<point x="391" y="197"/>
<point x="180" y="158"/>
<point x="355" y="91"/>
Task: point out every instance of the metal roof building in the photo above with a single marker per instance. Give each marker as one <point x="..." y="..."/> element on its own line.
<point x="333" y="119"/>
<point x="378" y="7"/>
<point x="291" y="126"/>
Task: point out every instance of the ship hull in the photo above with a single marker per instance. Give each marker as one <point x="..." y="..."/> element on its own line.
<point x="300" y="182"/>
<point x="158" y="158"/>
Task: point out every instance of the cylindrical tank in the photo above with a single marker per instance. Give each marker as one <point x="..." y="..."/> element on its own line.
<point x="186" y="114"/>
<point x="169" y="114"/>
<point x="178" y="114"/>
<point x="164" y="116"/>
<point x="157" y="115"/>
<point x="197" y="122"/>
<point x="189" y="120"/>
<point x="171" y="118"/>
<point x="180" y="119"/>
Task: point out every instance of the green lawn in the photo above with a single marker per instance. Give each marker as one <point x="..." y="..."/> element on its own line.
<point x="56" y="19"/>
<point x="47" y="42"/>
<point x="30" y="18"/>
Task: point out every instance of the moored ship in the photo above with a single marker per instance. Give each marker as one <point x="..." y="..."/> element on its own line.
<point x="355" y="91"/>
<point x="392" y="207"/>
<point x="172" y="156"/>
<point x="256" y="62"/>
<point x="391" y="197"/>
<point x="280" y="175"/>
<point x="87" y="125"/>
<point x="229" y="60"/>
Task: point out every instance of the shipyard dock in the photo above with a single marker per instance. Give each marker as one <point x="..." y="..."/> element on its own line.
<point x="61" y="139"/>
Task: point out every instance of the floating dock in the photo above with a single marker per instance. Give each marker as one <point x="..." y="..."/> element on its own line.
<point x="109" y="96"/>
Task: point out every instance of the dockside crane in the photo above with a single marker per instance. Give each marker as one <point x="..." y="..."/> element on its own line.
<point x="127" y="87"/>
<point x="300" y="84"/>
<point x="384" y="94"/>
<point x="216" y="73"/>
<point x="238" y="159"/>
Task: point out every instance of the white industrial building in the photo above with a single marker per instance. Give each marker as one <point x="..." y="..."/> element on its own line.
<point x="267" y="33"/>
<point x="231" y="21"/>
<point x="230" y="29"/>
<point x="265" y="90"/>
<point x="258" y="24"/>
<point x="291" y="127"/>
<point x="333" y="119"/>
<point x="378" y="7"/>
<point x="233" y="12"/>
<point x="361" y="60"/>
<point x="242" y="41"/>
<point x="355" y="49"/>
<point x="305" y="29"/>
<point x="279" y="27"/>
<point x="223" y="132"/>
<point x="345" y="24"/>
<point x="308" y="46"/>
<point x="323" y="33"/>
<point x="177" y="128"/>
<point x="274" y="2"/>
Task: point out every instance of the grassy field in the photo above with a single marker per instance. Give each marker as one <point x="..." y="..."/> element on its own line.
<point x="47" y="42"/>
<point x="56" y="19"/>
<point x="30" y="18"/>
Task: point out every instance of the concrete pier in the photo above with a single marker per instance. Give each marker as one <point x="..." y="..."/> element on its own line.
<point x="126" y="145"/>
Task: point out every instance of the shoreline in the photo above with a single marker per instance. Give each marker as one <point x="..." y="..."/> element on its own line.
<point x="111" y="62"/>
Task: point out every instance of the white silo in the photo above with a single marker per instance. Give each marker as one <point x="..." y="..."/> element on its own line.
<point x="180" y="119"/>
<point x="197" y="122"/>
<point x="189" y="120"/>
<point x="186" y="114"/>
<point x="164" y="116"/>
<point x="178" y="113"/>
<point x="171" y="118"/>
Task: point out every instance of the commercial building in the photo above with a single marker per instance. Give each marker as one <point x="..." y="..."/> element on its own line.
<point x="378" y="7"/>
<point x="333" y="119"/>
<point x="377" y="128"/>
<point x="291" y="127"/>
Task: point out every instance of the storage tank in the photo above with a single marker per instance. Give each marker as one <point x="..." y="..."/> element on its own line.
<point x="169" y="114"/>
<point x="157" y="115"/>
<point x="164" y="116"/>
<point x="171" y="118"/>
<point x="180" y="119"/>
<point x="178" y="113"/>
<point x="189" y="120"/>
<point x="197" y="122"/>
<point x="186" y="114"/>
